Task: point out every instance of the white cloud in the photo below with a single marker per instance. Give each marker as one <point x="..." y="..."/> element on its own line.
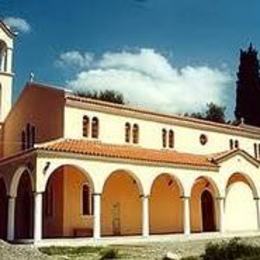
<point x="18" y="24"/>
<point x="75" y="59"/>
<point x="147" y="78"/>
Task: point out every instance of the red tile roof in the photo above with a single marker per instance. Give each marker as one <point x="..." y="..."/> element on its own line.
<point x="127" y="152"/>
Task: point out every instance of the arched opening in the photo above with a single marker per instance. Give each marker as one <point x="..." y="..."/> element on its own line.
<point x="208" y="212"/>
<point x="68" y="204"/>
<point x="166" y="206"/>
<point x="3" y="209"/>
<point x="121" y="206"/>
<point x="240" y="206"/>
<point x="203" y="208"/>
<point x="24" y="208"/>
<point x="3" y="56"/>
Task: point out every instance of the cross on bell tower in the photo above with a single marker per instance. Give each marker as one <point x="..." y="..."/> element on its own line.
<point x="6" y="73"/>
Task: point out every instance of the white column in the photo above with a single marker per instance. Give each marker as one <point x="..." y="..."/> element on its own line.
<point x="221" y="203"/>
<point x="9" y="57"/>
<point x="97" y="213"/>
<point x="257" y="201"/>
<point x="11" y="219"/>
<point x="37" y="217"/>
<point x="145" y="215"/>
<point x="186" y="207"/>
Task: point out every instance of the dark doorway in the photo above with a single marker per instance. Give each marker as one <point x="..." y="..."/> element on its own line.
<point x="24" y="208"/>
<point x="3" y="210"/>
<point x="208" y="212"/>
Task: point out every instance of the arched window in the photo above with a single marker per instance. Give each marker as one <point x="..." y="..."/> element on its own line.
<point x="164" y="138"/>
<point x="95" y="127"/>
<point x="236" y="144"/>
<point x="3" y="56"/>
<point x="33" y="135"/>
<point x="255" y="150"/>
<point x="231" y="144"/>
<point x="127" y="132"/>
<point x="86" y="200"/>
<point x="135" y="134"/>
<point x="23" y="144"/>
<point x="28" y="136"/>
<point x="85" y="126"/>
<point x="171" y="139"/>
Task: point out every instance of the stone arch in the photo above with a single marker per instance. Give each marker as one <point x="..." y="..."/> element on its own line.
<point x="240" y="201"/>
<point x="130" y="173"/>
<point x="121" y="205"/>
<point x="3" y="209"/>
<point x="166" y="205"/>
<point x="64" y="200"/>
<point x="81" y="169"/>
<point x="16" y="178"/>
<point x="197" y="205"/>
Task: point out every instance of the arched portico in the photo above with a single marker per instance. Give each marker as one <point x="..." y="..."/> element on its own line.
<point x="3" y="209"/>
<point x="240" y="204"/>
<point x="204" y="211"/>
<point x="166" y="205"/>
<point x="121" y="204"/>
<point x="24" y="207"/>
<point x="68" y="204"/>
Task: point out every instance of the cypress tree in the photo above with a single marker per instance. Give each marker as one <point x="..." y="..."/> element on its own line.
<point x="248" y="88"/>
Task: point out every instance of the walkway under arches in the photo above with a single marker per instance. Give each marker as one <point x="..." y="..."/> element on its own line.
<point x="166" y="205"/>
<point x="3" y="209"/>
<point x="121" y="205"/>
<point x="24" y="208"/>
<point x="203" y="207"/>
<point x="240" y="206"/>
<point x="68" y="204"/>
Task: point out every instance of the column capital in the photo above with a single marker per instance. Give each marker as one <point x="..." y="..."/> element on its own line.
<point x="96" y="194"/>
<point x="10" y="197"/>
<point x="220" y="198"/>
<point x="185" y="197"/>
<point x="145" y="196"/>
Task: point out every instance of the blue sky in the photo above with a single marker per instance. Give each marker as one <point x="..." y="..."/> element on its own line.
<point x="196" y="42"/>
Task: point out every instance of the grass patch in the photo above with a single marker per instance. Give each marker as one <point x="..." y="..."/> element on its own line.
<point x="70" y="251"/>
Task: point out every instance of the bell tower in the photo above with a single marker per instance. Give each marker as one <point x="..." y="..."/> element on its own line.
<point x="6" y="73"/>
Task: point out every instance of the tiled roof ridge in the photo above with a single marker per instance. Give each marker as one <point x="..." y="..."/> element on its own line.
<point x="96" y="148"/>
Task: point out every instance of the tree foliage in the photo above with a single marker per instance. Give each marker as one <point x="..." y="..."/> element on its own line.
<point x="213" y="113"/>
<point x="104" y="95"/>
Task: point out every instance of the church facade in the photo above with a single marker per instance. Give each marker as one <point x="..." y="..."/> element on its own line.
<point x="76" y="167"/>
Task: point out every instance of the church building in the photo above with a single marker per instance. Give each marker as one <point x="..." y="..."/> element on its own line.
<point x="76" y="167"/>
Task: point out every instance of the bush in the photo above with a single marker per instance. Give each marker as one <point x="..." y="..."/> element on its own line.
<point x="110" y="253"/>
<point x="190" y="258"/>
<point x="232" y="250"/>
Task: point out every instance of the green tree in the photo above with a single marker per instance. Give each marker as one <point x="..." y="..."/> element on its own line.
<point x="104" y="95"/>
<point x="213" y="113"/>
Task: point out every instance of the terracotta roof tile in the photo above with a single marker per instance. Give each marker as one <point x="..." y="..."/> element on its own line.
<point x="127" y="152"/>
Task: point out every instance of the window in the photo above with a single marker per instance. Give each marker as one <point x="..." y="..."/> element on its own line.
<point x="255" y="150"/>
<point x="135" y="134"/>
<point x="23" y="145"/>
<point x="85" y="126"/>
<point x="171" y="139"/>
<point x="49" y="201"/>
<point x="164" y="138"/>
<point x="127" y="132"/>
<point x="203" y="139"/>
<point x="258" y="150"/>
<point x="231" y="144"/>
<point x="28" y="136"/>
<point x="95" y="127"/>
<point x="236" y="144"/>
<point x="86" y="200"/>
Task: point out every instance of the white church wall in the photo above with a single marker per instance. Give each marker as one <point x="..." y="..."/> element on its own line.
<point x="187" y="139"/>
